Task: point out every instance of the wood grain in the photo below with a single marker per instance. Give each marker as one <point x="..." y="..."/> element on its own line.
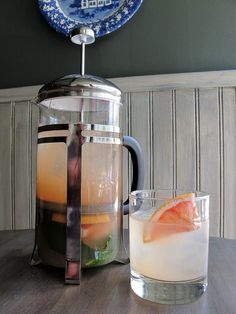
<point x="26" y="289"/>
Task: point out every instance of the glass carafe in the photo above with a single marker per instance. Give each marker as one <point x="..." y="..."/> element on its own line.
<point x="80" y="173"/>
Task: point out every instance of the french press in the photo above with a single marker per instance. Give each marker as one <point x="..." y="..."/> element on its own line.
<point x="80" y="172"/>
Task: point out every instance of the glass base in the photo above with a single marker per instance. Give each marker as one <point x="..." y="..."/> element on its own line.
<point x="167" y="292"/>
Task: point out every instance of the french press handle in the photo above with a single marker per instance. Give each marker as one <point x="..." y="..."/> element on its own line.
<point x="136" y="154"/>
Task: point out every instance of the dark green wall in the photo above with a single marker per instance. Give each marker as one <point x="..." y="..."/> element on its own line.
<point x="165" y="36"/>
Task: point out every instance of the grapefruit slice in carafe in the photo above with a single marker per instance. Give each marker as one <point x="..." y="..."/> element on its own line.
<point x="175" y="216"/>
<point x="95" y="228"/>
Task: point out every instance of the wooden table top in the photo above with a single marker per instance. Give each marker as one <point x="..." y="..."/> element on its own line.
<point x="26" y="289"/>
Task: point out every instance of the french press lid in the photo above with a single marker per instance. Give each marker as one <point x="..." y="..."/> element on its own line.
<point x="88" y="86"/>
<point x="80" y="84"/>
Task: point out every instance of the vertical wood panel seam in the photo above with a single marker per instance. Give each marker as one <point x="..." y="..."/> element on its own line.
<point x="29" y="152"/>
<point x="199" y="143"/>
<point x="221" y="148"/>
<point x="12" y="164"/>
<point x="129" y="129"/>
<point x="197" y="138"/>
<point x="174" y="139"/>
<point x="223" y="165"/>
<point x="151" y="148"/>
<point x="127" y="100"/>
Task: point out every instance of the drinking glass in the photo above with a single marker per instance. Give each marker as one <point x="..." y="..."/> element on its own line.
<point x="169" y="235"/>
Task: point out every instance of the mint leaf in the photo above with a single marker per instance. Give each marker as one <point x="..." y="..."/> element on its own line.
<point x="95" y="257"/>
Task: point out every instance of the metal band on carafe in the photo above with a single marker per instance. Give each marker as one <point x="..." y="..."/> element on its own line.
<point x="73" y="230"/>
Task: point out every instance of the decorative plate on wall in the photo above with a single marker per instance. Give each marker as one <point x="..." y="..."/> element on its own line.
<point x="103" y="16"/>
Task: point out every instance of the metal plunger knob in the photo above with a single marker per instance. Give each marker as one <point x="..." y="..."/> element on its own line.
<point x="82" y="36"/>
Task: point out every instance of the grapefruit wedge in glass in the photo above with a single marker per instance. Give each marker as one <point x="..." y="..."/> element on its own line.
<point x="175" y="216"/>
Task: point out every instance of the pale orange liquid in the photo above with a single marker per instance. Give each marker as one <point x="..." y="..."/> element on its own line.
<point x="101" y="179"/>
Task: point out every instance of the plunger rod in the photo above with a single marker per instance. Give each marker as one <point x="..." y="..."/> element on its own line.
<point x="83" y="59"/>
<point x="82" y="36"/>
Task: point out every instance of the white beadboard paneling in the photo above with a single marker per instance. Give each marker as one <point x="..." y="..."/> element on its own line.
<point x="22" y="214"/>
<point x="210" y="153"/>
<point x="6" y="192"/>
<point x="229" y="126"/>
<point x="140" y="128"/>
<point x="151" y="132"/>
<point x="185" y="139"/>
<point x="125" y="128"/>
<point x="33" y="129"/>
<point x="163" y="163"/>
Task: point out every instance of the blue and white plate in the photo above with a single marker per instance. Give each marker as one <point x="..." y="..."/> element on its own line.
<point x="103" y="16"/>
